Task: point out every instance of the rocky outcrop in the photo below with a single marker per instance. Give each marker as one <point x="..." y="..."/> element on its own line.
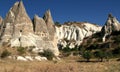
<point x="50" y="24"/>
<point x="72" y="34"/>
<point x="111" y="25"/>
<point x="16" y="23"/>
<point x="40" y="27"/>
<point x="17" y="31"/>
<point x="1" y="20"/>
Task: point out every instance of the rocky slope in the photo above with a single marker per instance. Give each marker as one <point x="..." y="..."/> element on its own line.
<point x="73" y="33"/>
<point x="111" y="25"/>
<point x="107" y="40"/>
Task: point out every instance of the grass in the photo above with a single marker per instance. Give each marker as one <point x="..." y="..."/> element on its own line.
<point x="64" y="65"/>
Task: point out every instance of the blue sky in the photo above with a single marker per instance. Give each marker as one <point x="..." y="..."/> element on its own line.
<point x="94" y="11"/>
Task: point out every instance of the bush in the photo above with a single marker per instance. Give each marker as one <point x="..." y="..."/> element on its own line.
<point x="116" y="51"/>
<point x="100" y="55"/>
<point x="21" y="50"/>
<point x="87" y="55"/>
<point x="48" y="53"/>
<point x="5" y="53"/>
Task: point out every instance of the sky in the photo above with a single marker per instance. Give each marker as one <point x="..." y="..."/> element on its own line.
<point x="93" y="11"/>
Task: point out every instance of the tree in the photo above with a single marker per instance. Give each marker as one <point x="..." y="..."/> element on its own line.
<point x="100" y="55"/>
<point x="87" y="55"/>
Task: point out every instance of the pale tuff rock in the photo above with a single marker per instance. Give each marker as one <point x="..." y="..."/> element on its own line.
<point x="50" y="24"/>
<point x="111" y="25"/>
<point x="74" y="33"/>
<point x="1" y="20"/>
<point x="16" y="22"/>
<point x="17" y="30"/>
<point x="40" y="27"/>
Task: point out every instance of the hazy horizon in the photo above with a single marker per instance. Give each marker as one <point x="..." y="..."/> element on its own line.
<point x="68" y="10"/>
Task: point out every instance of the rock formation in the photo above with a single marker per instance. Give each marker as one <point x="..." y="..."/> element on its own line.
<point x="50" y="24"/>
<point x="16" y="23"/>
<point x="72" y="34"/>
<point x="17" y="30"/>
<point x="40" y="27"/>
<point x="111" y="25"/>
<point x="1" y="20"/>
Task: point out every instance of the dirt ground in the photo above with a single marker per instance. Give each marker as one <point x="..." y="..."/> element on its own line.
<point x="64" y="65"/>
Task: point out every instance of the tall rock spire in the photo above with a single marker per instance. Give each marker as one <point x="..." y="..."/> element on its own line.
<point x="50" y="24"/>
<point x="17" y="21"/>
<point x="111" y="25"/>
<point x="40" y="27"/>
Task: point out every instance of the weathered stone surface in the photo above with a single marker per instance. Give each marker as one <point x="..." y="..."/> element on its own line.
<point x="16" y="23"/>
<point x="40" y="27"/>
<point x="50" y="24"/>
<point x="111" y="25"/>
<point x="1" y="20"/>
<point x="73" y="34"/>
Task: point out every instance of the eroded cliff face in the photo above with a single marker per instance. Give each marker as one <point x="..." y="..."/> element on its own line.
<point x="72" y="34"/>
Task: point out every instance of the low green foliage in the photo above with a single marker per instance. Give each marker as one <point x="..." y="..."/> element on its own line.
<point x="102" y="55"/>
<point x="21" y="50"/>
<point x="48" y="53"/>
<point x="5" y="53"/>
<point x="87" y="55"/>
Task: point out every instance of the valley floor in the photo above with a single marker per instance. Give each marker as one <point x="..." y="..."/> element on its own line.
<point x="64" y="65"/>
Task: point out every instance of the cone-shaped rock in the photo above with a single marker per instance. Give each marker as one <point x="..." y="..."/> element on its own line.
<point x="111" y="25"/>
<point x="40" y="27"/>
<point x="50" y="24"/>
<point x="16" y="23"/>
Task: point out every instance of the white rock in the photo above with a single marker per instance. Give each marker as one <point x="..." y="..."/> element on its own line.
<point x="20" y="58"/>
<point x="43" y="58"/>
<point x="29" y="58"/>
<point x="38" y="58"/>
<point x="75" y="32"/>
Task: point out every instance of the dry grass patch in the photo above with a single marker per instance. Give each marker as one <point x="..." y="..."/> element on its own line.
<point x="60" y="66"/>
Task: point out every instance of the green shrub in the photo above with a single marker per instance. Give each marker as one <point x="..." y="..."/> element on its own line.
<point x="100" y="55"/>
<point x="116" y="51"/>
<point x="48" y="53"/>
<point x="87" y="55"/>
<point x="21" y="50"/>
<point x="5" y="53"/>
<point x="66" y="49"/>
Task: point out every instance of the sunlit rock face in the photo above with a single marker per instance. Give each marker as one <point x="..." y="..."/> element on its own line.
<point x="17" y="30"/>
<point x="1" y="20"/>
<point x="50" y="24"/>
<point x="16" y="23"/>
<point x="73" y="33"/>
<point x="40" y="28"/>
<point x="111" y="25"/>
